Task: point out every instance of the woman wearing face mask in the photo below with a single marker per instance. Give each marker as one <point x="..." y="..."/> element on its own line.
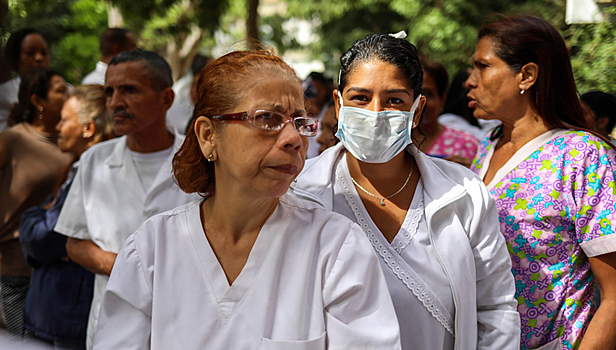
<point x="431" y="222"/>
<point x="30" y="165"/>
<point x="26" y="50"/>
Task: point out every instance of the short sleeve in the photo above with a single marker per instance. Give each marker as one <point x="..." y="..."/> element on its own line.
<point x="125" y="316"/>
<point x="358" y="307"/>
<point x="594" y="191"/>
<point x="72" y="221"/>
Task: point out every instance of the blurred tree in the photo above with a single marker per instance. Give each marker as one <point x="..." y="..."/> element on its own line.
<point x="443" y="30"/>
<point x="173" y="28"/>
<point x="593" y="48"/>
<point x="72" y="27"/>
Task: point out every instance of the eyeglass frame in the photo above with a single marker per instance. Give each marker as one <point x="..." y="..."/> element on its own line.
<point x="249" y="116"/>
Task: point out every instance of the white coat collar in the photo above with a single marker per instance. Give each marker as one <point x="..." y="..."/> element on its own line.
<point x="316" y="179"/>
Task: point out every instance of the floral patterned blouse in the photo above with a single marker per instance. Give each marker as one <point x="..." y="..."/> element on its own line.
<point x="453" y="142"/>
<point x="556" y="202"/>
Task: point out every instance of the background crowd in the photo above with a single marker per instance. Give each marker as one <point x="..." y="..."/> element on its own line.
<point x="82" y="167"/>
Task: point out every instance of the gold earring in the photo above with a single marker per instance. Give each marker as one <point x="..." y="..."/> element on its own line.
<point x="40" y="109"/>
<point x="209" y="158"/>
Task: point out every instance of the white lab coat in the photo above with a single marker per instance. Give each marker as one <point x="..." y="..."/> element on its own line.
<point x="463" y="227"/>
<point x="311" y="281"/>
<point x="107" y="203"/>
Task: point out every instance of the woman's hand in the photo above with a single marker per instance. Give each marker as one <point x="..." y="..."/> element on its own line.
<point x="601" y="333"/>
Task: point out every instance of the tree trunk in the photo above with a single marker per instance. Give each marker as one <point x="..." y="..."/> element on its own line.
<point x="115" y="19"/>
<point x="251" y="23"/>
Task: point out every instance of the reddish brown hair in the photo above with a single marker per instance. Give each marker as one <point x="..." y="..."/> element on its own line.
<point x="221" y="85"/>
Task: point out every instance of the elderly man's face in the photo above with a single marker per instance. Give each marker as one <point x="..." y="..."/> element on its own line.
<point x="133" y="103"/>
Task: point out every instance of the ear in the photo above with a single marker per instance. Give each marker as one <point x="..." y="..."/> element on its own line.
<point x="207" y="137"/>
<point x="336" y="100"/>
<point x="89" y="129"/>
<point x="37" y="102"/>
<point x="166" y="97"/>
<point x="441" y="105"/>
<point x="116" y="49"/>
<point x="419" y="110"/>
<point x="602" y="123"/>
<point x="528" y="75"/>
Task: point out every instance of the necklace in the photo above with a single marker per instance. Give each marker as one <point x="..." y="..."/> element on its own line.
<point x="384" y="198"/>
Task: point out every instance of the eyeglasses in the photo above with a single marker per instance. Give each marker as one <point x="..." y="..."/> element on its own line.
<point x="274" y="121"/>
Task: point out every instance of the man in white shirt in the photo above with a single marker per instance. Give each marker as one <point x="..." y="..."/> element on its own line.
<point x="122" y="182"/>
<point x="112" y="42"/>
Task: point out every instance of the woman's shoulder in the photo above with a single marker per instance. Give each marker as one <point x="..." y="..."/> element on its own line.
<point x="156" y="229"/>
<point x="580" y="144"/>
<point x="310" y="210"/>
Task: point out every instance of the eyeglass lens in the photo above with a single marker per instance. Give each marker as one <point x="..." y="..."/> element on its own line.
<point x="274" y="121"/>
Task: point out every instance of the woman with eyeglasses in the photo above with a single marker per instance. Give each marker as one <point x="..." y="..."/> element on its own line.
<point x="431" y="222"/>
<point x="247" y="267"/>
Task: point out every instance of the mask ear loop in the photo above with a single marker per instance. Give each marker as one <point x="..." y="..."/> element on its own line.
<point x="412" y="111"/>
<point x="340" y="98"/>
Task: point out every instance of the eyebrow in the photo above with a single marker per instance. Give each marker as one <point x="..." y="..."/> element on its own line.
<point x="281" y="109"/>
<point x="393" y="91"/>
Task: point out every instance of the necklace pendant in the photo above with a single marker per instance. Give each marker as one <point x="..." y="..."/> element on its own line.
<point x="383" y="202"/>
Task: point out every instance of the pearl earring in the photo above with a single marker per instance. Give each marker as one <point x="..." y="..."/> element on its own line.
<point x="522" y="92"/>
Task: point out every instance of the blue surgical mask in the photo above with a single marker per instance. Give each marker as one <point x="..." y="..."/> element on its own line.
<point x="375" y="137"/>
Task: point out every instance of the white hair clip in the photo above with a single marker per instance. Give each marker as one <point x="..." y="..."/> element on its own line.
<point x="399" y="35"/>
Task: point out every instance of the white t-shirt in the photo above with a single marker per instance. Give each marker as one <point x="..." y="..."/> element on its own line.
<point x="149" y="164"/>
<point x="311" y="281"/>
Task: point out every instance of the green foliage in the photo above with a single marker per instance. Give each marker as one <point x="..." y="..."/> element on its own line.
<point x="594" y="47"/>
<point x="444" y="30"/>
<point x="72" y="27"/>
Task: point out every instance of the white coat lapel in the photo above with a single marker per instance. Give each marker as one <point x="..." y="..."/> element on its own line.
<point x="120" y="161"/>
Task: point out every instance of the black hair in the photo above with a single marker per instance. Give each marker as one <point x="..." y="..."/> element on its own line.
<point x="456" y="101"/>
<point x="198" y="63"/>
<point x="524" y="39"/>
<point x="35" y="82"/>
<point x="602" y="105"/>
<point x="386" y="48"/>
<point x="114" y="36"/>
<point x="156" y="69"/>
<point x="13" y="45"/>
<point x="438" y="73"/>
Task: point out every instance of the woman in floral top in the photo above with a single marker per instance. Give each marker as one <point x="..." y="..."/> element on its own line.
<point x="553" y="183"/>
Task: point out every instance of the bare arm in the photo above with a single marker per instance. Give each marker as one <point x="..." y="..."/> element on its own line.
<point x="87" y="254"/>
<point x="601" y="333"/>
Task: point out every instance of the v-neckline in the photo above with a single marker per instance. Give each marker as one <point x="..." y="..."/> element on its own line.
<point x="228" y="296"/>
<point x="411" y="219"/>
<point x="518" y="157"/>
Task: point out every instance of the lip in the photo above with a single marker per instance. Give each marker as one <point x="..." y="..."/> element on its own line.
<point x="471" y="101"/>
<point x="289" y="169"/>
